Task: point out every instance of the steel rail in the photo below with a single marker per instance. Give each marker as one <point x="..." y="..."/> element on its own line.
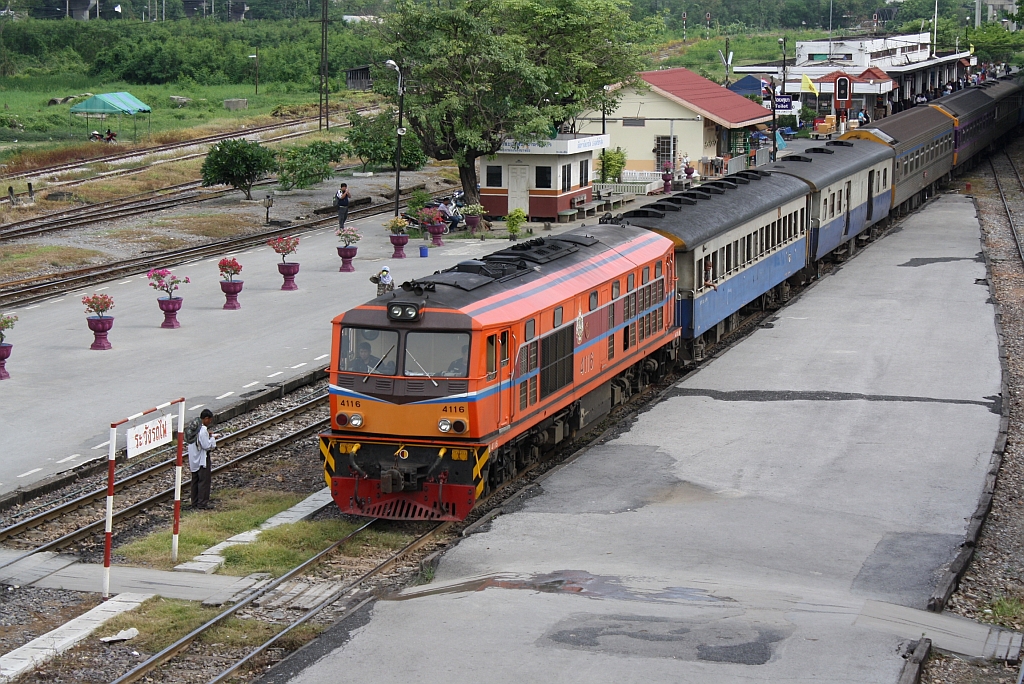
<point x="131" y="480"/>
<point x="155" y="661"/>
<point x="1006" y="205"/>
<point x="97" y="526"/>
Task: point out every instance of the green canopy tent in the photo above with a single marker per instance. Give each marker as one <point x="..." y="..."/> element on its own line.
<point x="113" y="103"/>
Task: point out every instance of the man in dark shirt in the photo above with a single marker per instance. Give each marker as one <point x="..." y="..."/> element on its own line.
<point x="458" y="367"/>
<point x="365" y="361"/>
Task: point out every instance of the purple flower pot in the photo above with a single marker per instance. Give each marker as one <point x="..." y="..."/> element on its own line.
<point x="231" y="288"/>
<point x="473" y="221"/>
<point x="347" y="254"/>
<point x="399" y="241"/>
<point x="5" y="351"/>
<point x="100" y="327"/>
<point x="667" y="178"/>
<point x="170" y="306"/>
<point x="435" y="235"/>
<point x="289" y="271"/>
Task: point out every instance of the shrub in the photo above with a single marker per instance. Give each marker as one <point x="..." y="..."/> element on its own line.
<point x="514" y="221"/>
<point x="418" y="200"/>
<point x="163" y="280"/>
<point x="238" y="163"/>
<point x="349" y="235"/>
<point x="229" y="268"/>
<point x="284" y="245"/>
<point x="98" y="304"/>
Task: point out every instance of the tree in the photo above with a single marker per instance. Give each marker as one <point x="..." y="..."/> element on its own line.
<point x="374" y="139"/>
<point x="238" y="163"/>
<point x="479" y="72"/>
<point x="304" y="167"/>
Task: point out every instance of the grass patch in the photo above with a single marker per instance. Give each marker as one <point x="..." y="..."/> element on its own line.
<point x="279" y="550"/>
<point x="211" y="225"/>
<point x="238" y="510"/>
<point x="1007" y="611"/>
<point x="162" y="621"/>
<point x="19" y="260"/>
<point x="148" y="239"/>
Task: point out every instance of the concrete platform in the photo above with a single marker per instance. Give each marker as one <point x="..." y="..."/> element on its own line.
<point x="212" y="359"/>
<point x="743" y="528"/>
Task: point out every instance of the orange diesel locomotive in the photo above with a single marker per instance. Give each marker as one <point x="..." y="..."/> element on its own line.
<point x="442" y="390"/>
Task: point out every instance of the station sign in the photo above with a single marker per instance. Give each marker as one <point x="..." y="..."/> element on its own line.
<point x="149" y="435"/>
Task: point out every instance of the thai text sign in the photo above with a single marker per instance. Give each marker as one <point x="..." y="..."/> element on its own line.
<point x="146" y="436"/>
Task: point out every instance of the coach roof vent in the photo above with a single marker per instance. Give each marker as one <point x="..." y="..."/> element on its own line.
<point x="839" y="143"/>
<point x="737" y="178"/>
<point x="662" y="205"/>
<point x="679" y="198"/>
<point x="644" y="212"/>
<point x="722" y="183"/>
<point x="796" y="158"/>
<point x="754" y="174"/>
<point x="817" y="150"/>
<point x="696" y="194"/>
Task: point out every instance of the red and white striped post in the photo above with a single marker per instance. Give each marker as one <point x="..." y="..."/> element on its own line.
<point x="177" y="480"/>
<point x="141" y="439"/>
<point x="108" y="530"/>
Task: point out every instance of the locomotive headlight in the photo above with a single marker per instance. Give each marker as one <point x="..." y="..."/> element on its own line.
<point x="399" y="311"/>
<point x="355" y="420"/>
<point x="444" y="425"/>
<point x="409" y="312"/>
<point x="395" y="311"/>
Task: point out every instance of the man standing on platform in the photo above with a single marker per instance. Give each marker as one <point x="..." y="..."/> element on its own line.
<point x="200" y="442"/>
<point x="341" y="199"/>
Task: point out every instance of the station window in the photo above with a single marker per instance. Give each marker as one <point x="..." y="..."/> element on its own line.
<point x="584" y="173"/>
<point x="543" y="177"/>
<point x="566" y="177"/>
<point x="531" y="329"/>
<point x="494" y="176"/>
<point x="646" y="277"/>
<point x="593" y="300"/>
<point x="615" y="290"/>
<point x="657" y="269"/>
<point x="630" y="282"/>
<point x="558" y="317"/>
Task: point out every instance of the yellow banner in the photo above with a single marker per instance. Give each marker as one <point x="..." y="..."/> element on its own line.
<point x="807" y="85"/>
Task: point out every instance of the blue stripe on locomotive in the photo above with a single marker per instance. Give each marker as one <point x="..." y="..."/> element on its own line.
<point x="697" y="316"/>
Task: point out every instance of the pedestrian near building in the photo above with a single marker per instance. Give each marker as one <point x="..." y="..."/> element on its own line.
<point x="200" y="442"/>
<point x="341" y="200"/>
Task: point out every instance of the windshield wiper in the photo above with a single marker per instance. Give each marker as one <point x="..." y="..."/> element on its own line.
<point x="421" y="367"/>
<point x="377" y="365"/>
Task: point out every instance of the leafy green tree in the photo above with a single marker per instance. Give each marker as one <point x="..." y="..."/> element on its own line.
<point x="238" y="163"/>
<point x="479" y="72"/>
<point x="612" y="164"/>
<point x="304" y="167"/>
<point x="374" y="139"/>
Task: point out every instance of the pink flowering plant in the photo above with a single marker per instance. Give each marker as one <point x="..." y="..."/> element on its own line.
<point x="162" y="279"/>
<point x="6" y="323"/>
<point x="430" y="216"/>
<point x="349" y="235"/>
<point x="284" y="245"/>
<point x="229" y="268"/>
<point x="98" y="304"/>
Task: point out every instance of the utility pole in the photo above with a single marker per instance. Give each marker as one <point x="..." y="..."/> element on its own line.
<point x="325" y="83"/>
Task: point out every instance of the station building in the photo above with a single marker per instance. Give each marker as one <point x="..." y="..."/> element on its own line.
<point x="542" y="178"/>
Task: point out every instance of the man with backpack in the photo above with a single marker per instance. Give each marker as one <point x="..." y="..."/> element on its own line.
<point x="341" y="199"/>
<point x="200" y="442"/>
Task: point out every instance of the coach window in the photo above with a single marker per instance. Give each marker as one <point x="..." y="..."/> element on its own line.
<point x="531" y="329"/>
<point x="630" y="282"/>
<point x="543" y="177"/>
<point x="885" y="178"/>
<point x="558" y="317"/>
<point x="615" y="290"/>
<point x="646" y="278"/>
<point x="593" y="300"/>
<point x="657" y="269"/>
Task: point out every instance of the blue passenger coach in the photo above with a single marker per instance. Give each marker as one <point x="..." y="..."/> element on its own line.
<point x="746" y="232"/>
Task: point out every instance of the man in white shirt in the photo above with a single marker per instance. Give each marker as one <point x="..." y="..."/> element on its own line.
<point x="199" y="461"/>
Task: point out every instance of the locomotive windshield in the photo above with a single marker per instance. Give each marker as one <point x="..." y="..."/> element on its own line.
<point x="437" y="353"/>
<point x="366" y="350"/>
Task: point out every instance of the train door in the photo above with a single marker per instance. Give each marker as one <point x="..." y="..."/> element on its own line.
<point x="871" y="194"/>
<point x="846" y="209"/>
<point x="504" y="374"/>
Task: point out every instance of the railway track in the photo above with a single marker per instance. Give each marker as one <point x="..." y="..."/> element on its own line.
<point x="29" y="290"/>
<point x="1008" y="195"/>
<point x="146" y="499"/>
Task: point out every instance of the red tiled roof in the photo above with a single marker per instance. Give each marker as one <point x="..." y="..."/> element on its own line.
<point x="705" y="97"/>
<point x="874" y="73"/>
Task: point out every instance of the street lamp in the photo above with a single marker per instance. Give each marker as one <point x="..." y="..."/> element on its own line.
<point x="257" y="58"/>
<point x="391" y="64"/>
<point x="775" y="128"/>
<point x="782" y="43"/>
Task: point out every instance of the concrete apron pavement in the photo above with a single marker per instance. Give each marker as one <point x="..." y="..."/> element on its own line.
<point x="768" y="521"/>
<point x="56" y="409"/>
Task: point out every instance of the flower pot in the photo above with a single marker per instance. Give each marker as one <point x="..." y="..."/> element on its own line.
<point x="667" y="178"/>
<point x="100" y="327"/>
<point x="399" y="241"/>
<point x="5" y="351"/>
<point x="289" y="271"/>
<point x="473" y="221"/>
<point x="231" y="288"/>
<point x="170" y="306"/>
<point x="435" y="234"/>
<point x="347" y="254"/>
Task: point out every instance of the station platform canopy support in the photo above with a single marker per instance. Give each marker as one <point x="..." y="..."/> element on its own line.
<point x="108" y="104"/>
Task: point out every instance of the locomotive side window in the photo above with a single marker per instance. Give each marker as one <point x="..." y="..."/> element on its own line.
<point x="504" y="349"/>
<point x="531" y="329"/>
<point x="365" y="350"/>
<point x="558" y="317"/>
<point x="437" y="353"/>
<point x="492" y="357"/>
<point x="615" y="290"/>
<point x="593" y="300"/>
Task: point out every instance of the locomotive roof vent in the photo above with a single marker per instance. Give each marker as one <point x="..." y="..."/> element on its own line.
<point x="820" y="150"/>
<point x="839" y="143"/>
<point x="538" y="250"/>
